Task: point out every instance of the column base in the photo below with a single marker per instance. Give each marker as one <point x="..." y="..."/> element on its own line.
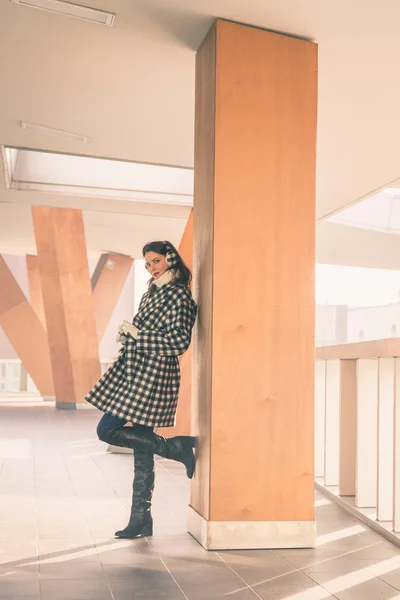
<point x="74" y="406"/>
<point x="251" y="535"/>
<point x="65" y="406"/>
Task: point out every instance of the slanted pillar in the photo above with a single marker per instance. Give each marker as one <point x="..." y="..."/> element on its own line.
<point x="108" y="281"/>
<point x="35" y="287"/>
<point x="68" y="302"/>
<point x="254" y="222"/>
<point x="26" y="333"/>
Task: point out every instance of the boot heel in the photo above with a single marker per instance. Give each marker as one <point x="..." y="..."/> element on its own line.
<point x="147" y="530"/>
<point x="192" y="441"/>
<point x="132" y="532"/>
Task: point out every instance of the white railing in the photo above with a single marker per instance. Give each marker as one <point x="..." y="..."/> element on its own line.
<point x="357" y="427"/>
<point x="14" y="378"/>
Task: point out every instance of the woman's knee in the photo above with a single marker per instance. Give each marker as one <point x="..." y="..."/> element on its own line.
<point x="102" y="432"/>
<point x="106" y="425"/>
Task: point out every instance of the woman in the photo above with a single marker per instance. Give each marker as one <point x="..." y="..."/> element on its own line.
<point x="142" y="386"/>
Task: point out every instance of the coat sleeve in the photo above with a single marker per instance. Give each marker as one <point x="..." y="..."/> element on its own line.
<point x="174" y="338"/>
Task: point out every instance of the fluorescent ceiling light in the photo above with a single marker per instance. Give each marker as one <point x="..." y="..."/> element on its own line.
<point x="57" y="132"/>
<point x="68" y="9"/>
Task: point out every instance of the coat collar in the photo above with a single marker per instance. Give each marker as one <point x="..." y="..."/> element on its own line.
<point x="153" y="301"/>
<point x="165" y="278"/>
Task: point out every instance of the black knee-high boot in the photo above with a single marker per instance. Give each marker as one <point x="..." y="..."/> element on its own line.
<point x="179" y="448"/>
<point x="140" y="522"/>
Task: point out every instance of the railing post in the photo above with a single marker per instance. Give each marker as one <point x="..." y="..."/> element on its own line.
<point x="23" y="379"/>
<point x="319" y="418"/>
<point x="367" y="432"/>
<point x="396" y="465"/>
<point x="348" y="427"/>
<point x="386" y="375"/>
<point x="332" y="398"/>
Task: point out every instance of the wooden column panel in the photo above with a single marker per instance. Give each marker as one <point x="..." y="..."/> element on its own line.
<point x="254" y="222"/>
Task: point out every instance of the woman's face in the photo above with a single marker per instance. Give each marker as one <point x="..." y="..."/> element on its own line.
<point x="156" y="264"/>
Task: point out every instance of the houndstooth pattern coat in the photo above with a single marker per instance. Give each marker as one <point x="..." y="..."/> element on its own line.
<point x="142" y="386"/>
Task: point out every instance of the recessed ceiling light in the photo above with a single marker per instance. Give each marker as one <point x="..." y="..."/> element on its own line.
<point x="56" y="132"/>
<point x="68" y="9"/>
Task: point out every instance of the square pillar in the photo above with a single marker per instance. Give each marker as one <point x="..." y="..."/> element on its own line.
<point x="68" y="302"/>
<point x="254" y="240"/>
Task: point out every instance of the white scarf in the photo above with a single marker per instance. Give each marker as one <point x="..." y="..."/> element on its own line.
<point x="166" y="277"/>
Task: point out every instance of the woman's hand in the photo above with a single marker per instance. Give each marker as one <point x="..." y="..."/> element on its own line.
<point x="127" y="328"/>
<point x="121" y="338"/>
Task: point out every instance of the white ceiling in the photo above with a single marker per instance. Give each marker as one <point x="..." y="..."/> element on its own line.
<point x="130" y="89"/>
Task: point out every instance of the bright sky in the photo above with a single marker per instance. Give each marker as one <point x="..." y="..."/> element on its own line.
<point x="356" y="286"/>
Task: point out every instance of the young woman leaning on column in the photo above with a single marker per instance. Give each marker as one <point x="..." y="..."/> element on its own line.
<point x="142" y="386"/>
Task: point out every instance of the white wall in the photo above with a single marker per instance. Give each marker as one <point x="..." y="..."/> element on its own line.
<point x="375" y="323"/>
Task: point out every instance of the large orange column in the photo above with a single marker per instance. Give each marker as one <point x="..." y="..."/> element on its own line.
<point x="35" y="287"/>
<point x="68" y="302"/>
<point x="25" y="332"/>
<point x="254" y="221"/>
<point x="108" y="281"/>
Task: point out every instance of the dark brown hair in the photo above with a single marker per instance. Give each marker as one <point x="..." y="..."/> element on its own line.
<point x="181" y="271"/>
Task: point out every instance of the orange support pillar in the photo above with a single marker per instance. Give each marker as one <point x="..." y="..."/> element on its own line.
<point x="254" y="245"/>
<point x="68" y="302"/>
<point x="35" y="287"/>
<point x="25" y="332"/>
<point x="108" y="281"/>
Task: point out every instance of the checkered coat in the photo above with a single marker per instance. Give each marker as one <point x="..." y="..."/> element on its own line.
<point x="142" y="385"/>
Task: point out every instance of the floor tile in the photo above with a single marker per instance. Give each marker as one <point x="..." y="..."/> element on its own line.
<point x="254" y="566"/>
<point x="147" y="584"/>
<point x="15" y="586"/>
<point x="295" y="586"/>
<point x="78" y="589"/>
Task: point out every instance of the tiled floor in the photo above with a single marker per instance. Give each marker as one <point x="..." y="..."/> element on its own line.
<point x="62" y="497"/>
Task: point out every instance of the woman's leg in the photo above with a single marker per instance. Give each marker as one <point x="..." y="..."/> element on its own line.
<point x="107" y="423"/>
<point x="179" y="448"/>
<point x="140" y="521"/>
